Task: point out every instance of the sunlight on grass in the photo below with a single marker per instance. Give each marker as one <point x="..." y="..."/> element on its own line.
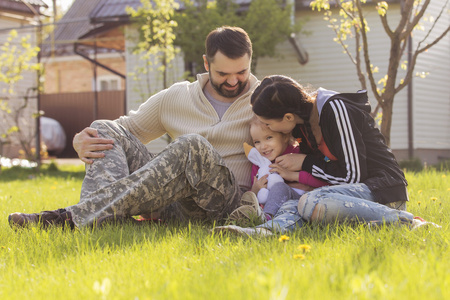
<point x="176" y="261"/>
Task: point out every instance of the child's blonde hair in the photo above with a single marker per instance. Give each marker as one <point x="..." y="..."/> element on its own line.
<point x="254" y="121"/>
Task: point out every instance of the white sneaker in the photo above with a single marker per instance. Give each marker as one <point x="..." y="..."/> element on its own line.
<point x="418" y="222"/>
<point x="249" y="211"/>
<point x="248" y="231"/>
<point x="249" y="198"/>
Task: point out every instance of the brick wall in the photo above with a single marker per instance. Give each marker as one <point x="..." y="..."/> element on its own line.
<point x="74" y="74"/>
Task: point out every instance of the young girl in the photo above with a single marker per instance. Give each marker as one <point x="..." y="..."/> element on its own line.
<point x="271" y="144"/>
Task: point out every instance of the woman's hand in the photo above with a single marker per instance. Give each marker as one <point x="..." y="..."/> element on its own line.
<point x="285" y="173"/>
<point x="259" y="184"/>
<point x="291" y="161"/>
<point x="88" y="145"/>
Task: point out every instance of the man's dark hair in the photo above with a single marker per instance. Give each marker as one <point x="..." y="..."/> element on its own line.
<point x="233" y="42"/>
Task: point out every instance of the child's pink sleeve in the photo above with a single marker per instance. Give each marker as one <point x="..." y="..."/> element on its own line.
<point x="255" y="169"/>
<point x="306" y="178"/>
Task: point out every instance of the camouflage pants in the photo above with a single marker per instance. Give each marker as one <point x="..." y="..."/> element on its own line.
<point x="350" y="202"/>
<point x="188" y="180"/>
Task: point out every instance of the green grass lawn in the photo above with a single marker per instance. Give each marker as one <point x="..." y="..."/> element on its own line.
<point x="188" y="262"/>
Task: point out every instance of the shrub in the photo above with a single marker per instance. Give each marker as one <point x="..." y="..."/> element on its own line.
<point x="413" y="164"/>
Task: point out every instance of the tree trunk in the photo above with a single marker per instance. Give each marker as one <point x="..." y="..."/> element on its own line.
<point x="386" y="120"/>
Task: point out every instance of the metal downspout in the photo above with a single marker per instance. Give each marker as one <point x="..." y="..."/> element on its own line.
<point x="302" y="55"/>
<point x="410" y="105"/>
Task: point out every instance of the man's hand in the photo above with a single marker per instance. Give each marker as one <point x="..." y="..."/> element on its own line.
<point x="291" y="161"/>
<point x="88" y="145"/>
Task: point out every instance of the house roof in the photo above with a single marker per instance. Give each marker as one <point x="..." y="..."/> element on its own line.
<point x="87" y="18"/>
<point x="20" y="6"/>
<point x="112" y="10"/>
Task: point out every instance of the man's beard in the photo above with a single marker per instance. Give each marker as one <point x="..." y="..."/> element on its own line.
<point x="226" y="93"/>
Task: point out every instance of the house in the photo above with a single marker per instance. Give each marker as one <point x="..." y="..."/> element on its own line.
<point x="91" y="53"/>
<point x="426" y="133"/>
<point x="23" y="17"/>
<point x="98" y="39"/>
<point x="85" y="66"/>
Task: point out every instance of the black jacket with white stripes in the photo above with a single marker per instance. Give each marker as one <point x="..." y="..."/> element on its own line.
<point x="358" y="146"/>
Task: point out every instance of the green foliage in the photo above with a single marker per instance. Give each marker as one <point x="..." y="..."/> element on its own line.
<point x="52" y="167"/>
<point x="196" y="21"/>
<point x="186" y="261"/>
<point x="412" y="165"/>
<point x="267" y="22"/>
<point x="415" y="165"/>
<point x="17" y="56"/>
<point x="443" y="166"/>
<point x="155" y="45"/>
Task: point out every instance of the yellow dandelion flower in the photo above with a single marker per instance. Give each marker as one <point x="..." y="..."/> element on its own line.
<point x="419" y="191"/>
<point x="53" y="187"/>
<point x="358" y="238"/>
<point x="304" y="248"/>
<point x="433" y="198"/>
<point x="299" y="256"/>
<point x="448" y="190"/>
<point x="283" y="238"/>
<point x="418" y="202"/>
<point x="443" y="175"/>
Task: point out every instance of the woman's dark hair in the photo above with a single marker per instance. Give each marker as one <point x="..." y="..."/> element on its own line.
<point x="278" y="95"/>
<point x="233" y="42"/>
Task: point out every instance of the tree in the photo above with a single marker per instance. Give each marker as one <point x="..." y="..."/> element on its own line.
<point x="268" y="22"/>
<point x="155" y="45"/>
<point x="16" y="58"/>
<point x="351" y="22"/>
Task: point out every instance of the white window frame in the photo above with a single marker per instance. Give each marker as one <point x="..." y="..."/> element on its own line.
<point x="109" y="79"/>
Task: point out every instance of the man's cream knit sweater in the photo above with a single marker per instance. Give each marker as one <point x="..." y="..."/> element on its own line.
<point x="183" y="109"/>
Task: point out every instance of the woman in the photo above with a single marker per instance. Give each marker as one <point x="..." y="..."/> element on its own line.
<point x="340" y="145"/>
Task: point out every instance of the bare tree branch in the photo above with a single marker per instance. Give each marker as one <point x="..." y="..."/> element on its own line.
<point x="386" y="27"/>
<point x="416" y="19"/>
<point x="410" y="71"/>
<point x="407" y="7"/>
<point x="341" y="42"/>
<point x="366" y="54"/>
<point x="433" y="25"/>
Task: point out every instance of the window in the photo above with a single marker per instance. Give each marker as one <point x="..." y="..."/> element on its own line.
<point x="108" y="83"/>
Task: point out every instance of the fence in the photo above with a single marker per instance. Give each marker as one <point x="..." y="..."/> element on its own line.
<point x="76" y="111"/>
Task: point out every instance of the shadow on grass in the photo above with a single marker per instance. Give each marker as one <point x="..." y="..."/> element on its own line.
<point x="51" y="170"/>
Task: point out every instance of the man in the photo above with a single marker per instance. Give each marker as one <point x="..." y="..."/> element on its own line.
<point x="201" y="175"/>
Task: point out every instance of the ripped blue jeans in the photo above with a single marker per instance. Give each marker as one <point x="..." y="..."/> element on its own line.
<point x="330" y="204"/>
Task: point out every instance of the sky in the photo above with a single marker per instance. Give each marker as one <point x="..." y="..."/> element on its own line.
<point x="64" y="4"/>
